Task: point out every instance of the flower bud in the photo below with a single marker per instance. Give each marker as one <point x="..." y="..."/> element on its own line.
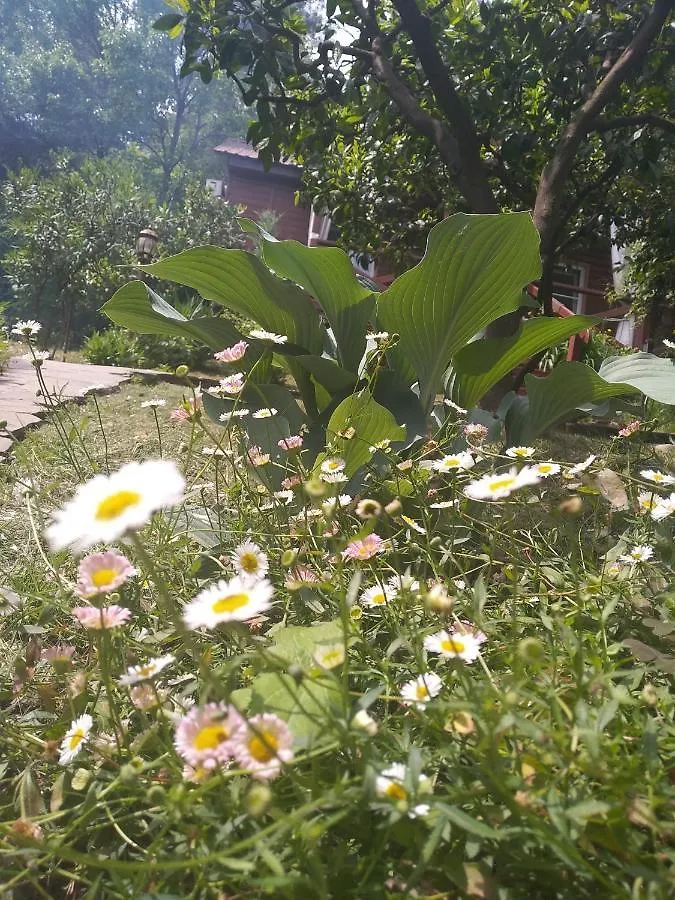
<point x="288" y="557"/>
<point x="531" y="650"/>
<point x="363" y="721"/>
<point x="181" y="371"/>
<point x="315" y="488"/>
<point x="393" y="508"/>
<point x="258" y="800"/>
<point x="438" y="599"/>
<point x="572" y="507"/>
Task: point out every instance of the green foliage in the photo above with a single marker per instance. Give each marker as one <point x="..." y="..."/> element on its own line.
<point x="540" y="768"/>
<point x="473" y="272"/>
<point x="112" y="347"/>
<point x="91" y="76"/>
<point x="73" y="233"/>
<point x="502" y="80"/>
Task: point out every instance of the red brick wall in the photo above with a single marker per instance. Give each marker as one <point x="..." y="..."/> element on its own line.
<point x="258" y="192"/>
<point x="598" y="263"/>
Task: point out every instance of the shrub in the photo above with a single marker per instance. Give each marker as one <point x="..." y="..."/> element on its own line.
<point x="112" y="347"/>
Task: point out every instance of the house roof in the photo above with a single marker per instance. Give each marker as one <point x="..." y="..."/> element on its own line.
<point x="247" y="151"/>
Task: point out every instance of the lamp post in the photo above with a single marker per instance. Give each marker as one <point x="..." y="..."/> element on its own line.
<point x="146" y="245"/>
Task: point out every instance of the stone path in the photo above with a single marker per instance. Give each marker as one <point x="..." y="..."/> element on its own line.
<point x="21" y="404"/>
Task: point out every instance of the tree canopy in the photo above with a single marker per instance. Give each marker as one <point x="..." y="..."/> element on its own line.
<point x="91" y="76"/>
<point x="417" y="106"/>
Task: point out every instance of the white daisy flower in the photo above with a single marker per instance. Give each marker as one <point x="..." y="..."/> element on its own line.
<point x="378" y="595"/>
<point x="580" y="467"/>
<point x="543" y="470"/>
<point x="520" y="452"/>
<point x="363" y="721"/>
<point x="332" y="464"/>
<point x="640" y="553"/>
<point x="368" y="509"/>
<point x="108" y="506"/>
<point x="236" y="600"/>
<point x="411" y="523"/>
<point x="147" y="404"/>
<point x="421" y="690"/>
<point x="382" y="445"/>
<point x="657" y="477"/>
<point x="75" y="738"/>
<point x="286" y="495"/>
<point x="147" y="671"/>
<point x="454" y="462"/>
<point x="36" y="357"/>
<point x="403" y="583"/>
<point x="669" y="344"/>
<point x="334" y="477"/>
<point x="249" y="560"/>
<point x="453" y="645"/>
<point x="391" y="783"/>
<point x="266" y="412"/>
<point x="27" y="328"/>
<point x="384" y="336"/>
<point x="329" y="656"/>
<point x="234" y="414"/>
<point x="261" y="335"/>
<point x="664" y="508"/>
<point x="648" y="501"/>
<point x="332" y="503"/>
<point x="444" y="504"/>
<point x="500" y="484"/>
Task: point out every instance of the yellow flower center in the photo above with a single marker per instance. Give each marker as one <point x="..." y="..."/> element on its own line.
<point x="103" y="577"/>
<point x="453" y="645"/>
<point x="330" y="658"/>
<point x="451" y="463"/>
<point x="544" y="468"/>
<point x="333" y="465"/>
<point x="263" y="747"/>
<point x="249" y="562"/>
<point x="76" y="739"/>
<point x="396" y="791"/>
<point x="378" y="599"/>
<point x="210" y="736"/>
<point x="230" y="603"/>
<point x="499" y="483"/>
<point x="146" y="670"/>
<point x="657" y="476"/>
<point x="114" y="505"/>
<point x="421" y="692"/>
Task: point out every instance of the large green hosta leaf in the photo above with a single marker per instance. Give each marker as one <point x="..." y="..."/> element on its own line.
<point x="550" y="399"/>
<point x="357" y="424"/>
<point x="653" y="375"/>
<point x="473" y="272"/>
<point x="481" y="364"/>
<point x="328" y="274"/>
<point x="137" y="307"/>
<point x="242" y="282"/>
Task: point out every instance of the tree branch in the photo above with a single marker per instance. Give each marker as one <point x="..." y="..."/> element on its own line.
<point x="411" y="110"/>
<point x="550" y="193"/>
<point x="471" y="177"/>
<point x="635" y="121"/>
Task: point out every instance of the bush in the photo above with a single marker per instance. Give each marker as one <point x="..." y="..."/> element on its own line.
<point x="113" y="347"/>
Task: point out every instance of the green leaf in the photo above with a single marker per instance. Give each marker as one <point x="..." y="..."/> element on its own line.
<point x="653" y="375"/>
<point x="303" y="706"/>
<point x="296" y="643"/>
<point x="482" y="363"/>
<point x="371" y="423"/>
<point x="239" y="280"/>
<point x="554" y="397"/>
<point x="587" y="809"/>
<point x="167" y="22"/>
<point x="137" y="307"/>
<point x="328" y="274"/>
<point x="473" y="272"/>
<point x="328" y="374"/>
<point x="469" y="824"/>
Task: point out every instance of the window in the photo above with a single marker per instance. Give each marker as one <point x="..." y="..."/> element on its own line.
<point x="565" y="279"/>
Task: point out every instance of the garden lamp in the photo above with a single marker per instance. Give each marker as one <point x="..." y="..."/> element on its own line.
<point x="145" y="245"/>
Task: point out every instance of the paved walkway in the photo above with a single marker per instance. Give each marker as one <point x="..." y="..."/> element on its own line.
<point x="21" y="403"/>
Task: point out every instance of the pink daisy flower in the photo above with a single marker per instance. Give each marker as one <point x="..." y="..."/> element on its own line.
<point x="366" y="548"/>
<point x="101" y="573"/>
<point x="233" y="353"/>
<point x="292" y="442"/>
<point x="264" y="745"/>
<point x="101" y="618"/>
<point x="205" y="735"/>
